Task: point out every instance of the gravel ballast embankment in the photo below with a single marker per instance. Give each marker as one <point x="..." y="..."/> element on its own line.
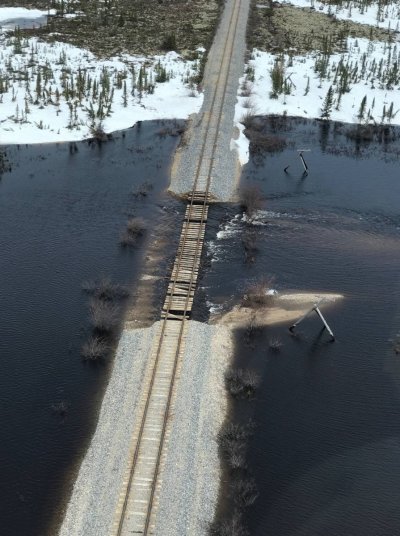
<point x="91" y="508"/>
<point x="190" y="481"/>
<point x="225" y="169"/>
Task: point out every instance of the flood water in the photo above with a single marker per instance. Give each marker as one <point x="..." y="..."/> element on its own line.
<point x="326" y="446"/>
<point x="61" y="215"/>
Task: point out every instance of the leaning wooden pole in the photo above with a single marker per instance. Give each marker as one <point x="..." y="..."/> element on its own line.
<point x="328" y="329"/>
<point x="304" y="163"/>
<point x="316" y="309"/>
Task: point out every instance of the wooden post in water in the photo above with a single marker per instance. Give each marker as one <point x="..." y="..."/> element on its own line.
<point x="301" y="151"/>
<point x="304" y="163"/>
<point x="316" y="309"/>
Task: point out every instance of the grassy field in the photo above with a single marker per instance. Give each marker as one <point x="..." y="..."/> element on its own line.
<point x="133" y="26"/>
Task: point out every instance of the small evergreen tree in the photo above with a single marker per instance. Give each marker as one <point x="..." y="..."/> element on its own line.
<point x="361" y="111"/>
<point x="327" y="105"/>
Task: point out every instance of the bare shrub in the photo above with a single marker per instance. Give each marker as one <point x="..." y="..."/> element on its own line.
<point x="275" y="344"/>
<point x="232" y="440"/>
<point x="248" y="104"/>
<point x="247" y="118"/>
<point x="4" y="163"/>
<point x="361" y="133"/>
<point x="251" y="199"/>
<point x="134" y="229"/>
<point x="232" y="526"/>
<point x="60" y="408"/>
<point x="95" y="349"/>
<point x="245" y="89"/>
<point x="105" y="289"/>
<point x="135" y="226"/>
<point x="142" y="190"/>
<point x="104" y="315"/>
<point x="97" y="132"/>
<point x="127" y="241"/>
<point x="244" y="491"/>
<point x="249" y="244"/>
<point x="264" y="143"/>
<point x="253" y="329"/>
<point x="257" y="295"/>
<point x="241" y="382"/>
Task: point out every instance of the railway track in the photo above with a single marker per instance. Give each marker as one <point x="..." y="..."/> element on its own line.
<point x="138" y="501"/>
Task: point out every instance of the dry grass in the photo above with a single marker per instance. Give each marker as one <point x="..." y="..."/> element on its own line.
<point x="139" y="27"/>
<point x="284" y="27"/>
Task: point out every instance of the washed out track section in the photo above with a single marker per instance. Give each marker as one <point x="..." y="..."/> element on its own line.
<point x="138" y="499"/>
<point x="137" y="506"/>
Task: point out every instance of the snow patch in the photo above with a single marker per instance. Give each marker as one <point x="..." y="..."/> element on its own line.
<point x="54" y="109"/>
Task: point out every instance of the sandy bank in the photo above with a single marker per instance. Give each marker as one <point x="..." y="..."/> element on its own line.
<point x="286" y="307"/>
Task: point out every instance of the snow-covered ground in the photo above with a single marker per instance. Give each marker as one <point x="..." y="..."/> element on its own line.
<point x="371" y="69"/>
<point x="52" y="92"/>
<point x="14" y="13"/>
<point x="384" y="16"/>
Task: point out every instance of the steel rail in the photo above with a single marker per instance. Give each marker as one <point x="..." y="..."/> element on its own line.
<point x="192" y="198"/>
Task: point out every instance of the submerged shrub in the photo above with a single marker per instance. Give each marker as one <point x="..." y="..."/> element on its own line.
<point x="95" y="349"/>
<point x="104" y="315"/>
<point x="232" y="440"/>
<point x="105" y="289"/>
<point x="275" y="344"/>
<point x="232" y="526"/>
<point x="60" y="408"/>
<point x="257" y="293"/>
<point x="249" y="243"/>
<point x="134" y="229"/>
<point x="251" y="199"/>
<point x="241" y="382"/>
<point x="97" y="132"/>
<point x="244" y="491"/>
